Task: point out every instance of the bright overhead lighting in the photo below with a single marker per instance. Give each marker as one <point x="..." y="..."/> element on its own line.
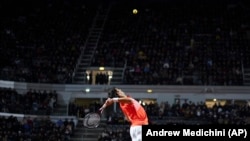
<point x="101" y="68"/>
<point x="149" y="91"/>
<point x="87" y="90"/>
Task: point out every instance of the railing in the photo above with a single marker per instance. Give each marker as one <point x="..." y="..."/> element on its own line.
<point x="124" y="69"/>
<point x="242" y="71"/>
<point x="77" y="65"/>
<point x="52" y="118"/>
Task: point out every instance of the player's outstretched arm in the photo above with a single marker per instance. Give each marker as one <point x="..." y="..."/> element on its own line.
<point x="108" y="102"/>
<point x="122" y="99"/>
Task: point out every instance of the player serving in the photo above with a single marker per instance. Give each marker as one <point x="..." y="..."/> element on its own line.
<point x="132" y="110"/>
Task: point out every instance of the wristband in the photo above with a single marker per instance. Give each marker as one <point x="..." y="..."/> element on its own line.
<point x="115" y="99"/>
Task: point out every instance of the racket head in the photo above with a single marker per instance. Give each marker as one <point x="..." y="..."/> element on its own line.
<point x="92" y="120"/>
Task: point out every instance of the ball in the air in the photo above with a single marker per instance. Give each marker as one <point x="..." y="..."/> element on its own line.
<point x="135" y="11"/>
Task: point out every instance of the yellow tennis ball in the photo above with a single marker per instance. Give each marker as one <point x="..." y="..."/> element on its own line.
<point x="135" y="11"/>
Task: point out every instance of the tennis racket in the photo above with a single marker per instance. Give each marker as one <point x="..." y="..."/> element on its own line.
<point x="92" y="120"/>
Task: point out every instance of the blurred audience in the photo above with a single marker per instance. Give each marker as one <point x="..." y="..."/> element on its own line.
<point x="33" y="129"/>
<point x="32" y="102"/>
<point x="41" y="42"/>
<point x="183" y="46"/>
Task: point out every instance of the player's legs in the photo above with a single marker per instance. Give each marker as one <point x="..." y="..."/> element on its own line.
<point x="136" y="133"/>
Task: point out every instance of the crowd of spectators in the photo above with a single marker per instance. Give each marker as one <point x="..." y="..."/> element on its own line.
<point x="36" y="106"/>
<point x="206" y="43"/>
<point x="31" y="102"/>
<point x="34" y="129"/>
<point x="164" y="43"/>
<point x="41" y="41"/>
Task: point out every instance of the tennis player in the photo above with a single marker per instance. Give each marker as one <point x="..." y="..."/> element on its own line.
<point x="132" y="110"/>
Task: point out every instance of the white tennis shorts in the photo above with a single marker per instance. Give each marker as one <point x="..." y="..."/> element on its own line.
<point x="136" y="133"/>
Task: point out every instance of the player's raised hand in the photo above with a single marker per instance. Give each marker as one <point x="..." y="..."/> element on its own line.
<point x="108" y="102"/>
